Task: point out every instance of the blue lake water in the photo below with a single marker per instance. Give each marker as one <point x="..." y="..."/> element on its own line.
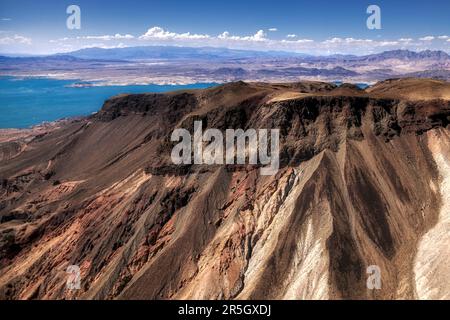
<point x="25" y="102"/>
<point x="360" y="85"/>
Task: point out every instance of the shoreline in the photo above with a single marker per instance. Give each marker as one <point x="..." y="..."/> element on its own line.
<point x="106" y="82"/>
<point x="182" y="81"/>
<point x="60" y="98"/>
<point x="26" y="134"/>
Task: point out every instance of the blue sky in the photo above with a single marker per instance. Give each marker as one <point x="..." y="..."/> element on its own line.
<point x="319" y="26"/>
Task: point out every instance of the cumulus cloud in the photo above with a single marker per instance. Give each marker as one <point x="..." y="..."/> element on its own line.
<point x="297" y="41"/>
<point x="273" y="29"/>
<point x="387" y="43"/>
<point x="104" y="46"/>
<point x="117" y="36"/>
<point x="427" y="38"/>
<point x="258" y="41"/>
<point x="158" y="33"/>
<point x="60" y="40"/>
<point x="360" y="46"/>
<point x="347" y="41"/>
<point x="16" y="39"/>
<point x="352" y="40"/>
<point x="71" y="47"/>
<point x="333" y="40"/>
<point x="258" y="37"/>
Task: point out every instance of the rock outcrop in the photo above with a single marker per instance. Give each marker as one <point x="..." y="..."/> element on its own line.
<point x="363" y="181"/>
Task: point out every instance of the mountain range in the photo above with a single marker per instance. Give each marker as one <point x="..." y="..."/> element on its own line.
<point x="167" y="52"/>
<point x="162" y="65"/>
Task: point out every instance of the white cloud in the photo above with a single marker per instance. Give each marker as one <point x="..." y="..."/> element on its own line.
<point x="16" y="39"/>
<point x="347" y="41"/>
<point x="6" y="19"/>
<point x="60" y="40"/>
<point x="358" y="46"/>
<point x="352" y="40"/>
<point x="297" y="41"/>
<point x="158" y="33"/>
<point x="257" y="41"/>
<point x="387" y="43"/>
<point x="334" y="40"/>
<point x="117" y="36"/>
<point x="257" y="37"/>
<point x="69" y="47"/>
<point x="104" y="46"/>
<point x="427" y="38"/>
<point x="273" y="29"/>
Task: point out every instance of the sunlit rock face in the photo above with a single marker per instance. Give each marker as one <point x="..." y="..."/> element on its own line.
<point x="433" y="254"/>
<point x="363" y="181"/>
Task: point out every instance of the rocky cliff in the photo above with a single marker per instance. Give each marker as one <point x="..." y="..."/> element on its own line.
<point x="363" y="181"/>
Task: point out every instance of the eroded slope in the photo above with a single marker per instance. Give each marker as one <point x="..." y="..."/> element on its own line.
<point x="362" y="182"/>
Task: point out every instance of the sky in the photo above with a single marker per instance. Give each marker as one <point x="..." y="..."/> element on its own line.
<point x="315" y="27"/>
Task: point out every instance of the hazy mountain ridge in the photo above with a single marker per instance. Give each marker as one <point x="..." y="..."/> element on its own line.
<point x="161" y="65"/>
<point x="167" y="52"/>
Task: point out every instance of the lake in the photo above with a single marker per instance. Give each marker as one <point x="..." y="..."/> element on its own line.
<point x="25" y="102"/>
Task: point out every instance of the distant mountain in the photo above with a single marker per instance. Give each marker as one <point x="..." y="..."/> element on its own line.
<point x="232" y="72"/>
<point x="67" y="58"/>
<point x="210" y="53"/>
<point x="224" y="65"/>
<point x="407" y="55"/>
<point x="169" y="52"/>
<point x="46" y="59"/>
<point x="49" y="63"/>
<point x="430" y="74"/>
<point x="314" y="72"/>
